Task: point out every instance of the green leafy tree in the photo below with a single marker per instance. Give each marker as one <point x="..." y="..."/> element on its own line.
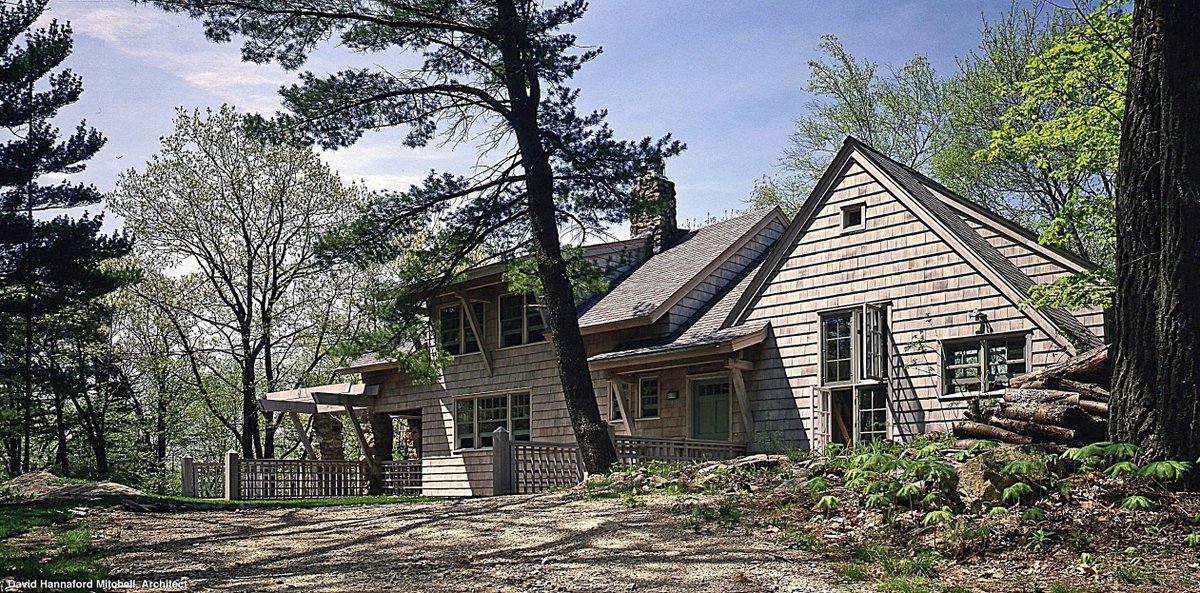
<point x="46" y="266"/>
<point x="496" y="70"/>
<point x="242" y="218"/>
<point x="902" y="113"/>
<point x="1067" y="126"/>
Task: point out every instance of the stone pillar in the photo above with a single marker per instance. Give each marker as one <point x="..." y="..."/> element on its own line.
<point x="383" y="437"/>
<point x="329" y="443"/>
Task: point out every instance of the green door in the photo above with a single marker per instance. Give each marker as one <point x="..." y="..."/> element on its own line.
<point x="710" y="409"/>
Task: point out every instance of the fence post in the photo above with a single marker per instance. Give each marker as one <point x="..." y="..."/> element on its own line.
<point x="233" y="477"/>
<point x="501" y="463"/>
<point x="187" y="475"/>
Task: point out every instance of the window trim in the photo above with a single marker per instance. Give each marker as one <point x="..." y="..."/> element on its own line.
<point x="526" y="339"/>
<point x="980" y="340"/>
<point x="508" y="395"/>
<point x="854" y="347"/>
<point x="861" y="207"/>
<point x="657" y="404"/>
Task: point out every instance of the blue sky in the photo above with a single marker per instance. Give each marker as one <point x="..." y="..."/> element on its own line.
<point x="724" y="77"/>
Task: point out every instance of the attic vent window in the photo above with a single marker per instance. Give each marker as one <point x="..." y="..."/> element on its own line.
<point x="852" y="216"/>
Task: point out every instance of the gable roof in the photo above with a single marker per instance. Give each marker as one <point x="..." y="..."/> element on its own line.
<point x="913" y="188"/>
<point x="648" y="291"/>
<point x="707" y="333"/>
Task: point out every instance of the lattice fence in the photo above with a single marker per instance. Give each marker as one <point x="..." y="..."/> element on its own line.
<point x="537" y="467"/>
<point x="402" y="478"/>
<point x="276" y="479"/>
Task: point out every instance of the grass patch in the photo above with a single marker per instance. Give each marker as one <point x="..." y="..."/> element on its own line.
<point x="905" y="584"/>
<point x="70" y="556"/>
<point x="851" y="571"/>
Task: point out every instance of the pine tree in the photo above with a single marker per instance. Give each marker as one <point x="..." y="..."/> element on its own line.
<point x="494" y="71"/>
<point x="46" y="265"/>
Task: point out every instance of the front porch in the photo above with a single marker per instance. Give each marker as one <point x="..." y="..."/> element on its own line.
<point x="507" y="466"/>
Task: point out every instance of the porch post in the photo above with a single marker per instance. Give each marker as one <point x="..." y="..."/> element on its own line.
<point x="187" y="474"/>
<point x="501" y="463"/>
<point x="233" y="477"/>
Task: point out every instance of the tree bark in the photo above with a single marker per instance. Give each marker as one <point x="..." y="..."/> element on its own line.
<point x="591" y="432"/>
<point x="1155" y="403"/>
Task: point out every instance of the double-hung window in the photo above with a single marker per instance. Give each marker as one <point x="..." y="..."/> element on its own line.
<point x="520" y="320"/>
<point x="475" y="418"/>
<point x="983" y="364"/>
<point x="454" y="328"/>
<point x="648" y="397"/>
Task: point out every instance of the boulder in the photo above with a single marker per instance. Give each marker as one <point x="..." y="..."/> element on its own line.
<point x="981" y="480"/>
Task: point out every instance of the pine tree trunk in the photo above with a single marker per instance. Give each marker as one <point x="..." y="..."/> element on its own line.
<point x="522" y="83"/>
<point x="1156" y="372"/>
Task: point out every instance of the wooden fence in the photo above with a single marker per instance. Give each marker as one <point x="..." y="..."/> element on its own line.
<point x="524" y="467"/>
<point x="402" y="478"/>
<point x="634" y="450"/>
<point x="281" y="479"/>
<point x="203" y="479"/>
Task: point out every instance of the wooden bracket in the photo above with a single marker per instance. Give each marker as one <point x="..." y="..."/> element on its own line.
<point x="743" y="399"/>
<point x="469" y="313"/>
<point x="614" y="387"/>
<point x="304" y="440"/>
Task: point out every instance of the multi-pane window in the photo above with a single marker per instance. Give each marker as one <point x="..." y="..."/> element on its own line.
<point x="984" y="364"/>
<point x="520" y="320"/>
<point x="454" y="329"/>
<point x="853" y="346"/>
<point x="648" y="398"/>
<point x="837" y="353"/>
<point x="872" y="414"/>
<point x="475" y="418"/>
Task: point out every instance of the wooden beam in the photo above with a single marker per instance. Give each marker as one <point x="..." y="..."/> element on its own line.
<point x="362" y="438"/>
<point x="345" y="399"/>
<point x="740" y="364"/>
<point x="614" y="387"/>
<point x="743" y="399"/>
<point x="299" y="426"/>
<point x="469" y="311"/>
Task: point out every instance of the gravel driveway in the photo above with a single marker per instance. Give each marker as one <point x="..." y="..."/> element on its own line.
<point x="510" y="544"/>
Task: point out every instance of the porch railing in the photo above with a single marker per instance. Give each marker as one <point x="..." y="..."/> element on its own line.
<point x="633" y="450"/>
<point x="279" y="479"/>
<point x="402" y="477"/>
<point x="275" y="479"/>
<point x="523" y="467"/>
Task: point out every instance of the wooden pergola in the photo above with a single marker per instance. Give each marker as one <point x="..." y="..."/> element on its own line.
<point x="339" y="398"/>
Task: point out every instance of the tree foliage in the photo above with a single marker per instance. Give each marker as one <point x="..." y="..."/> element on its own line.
<point x="229" y="225"/>
<point x="51" y="268"/>
<point x="491" y="72"/>
<point x="1027" y="126"/>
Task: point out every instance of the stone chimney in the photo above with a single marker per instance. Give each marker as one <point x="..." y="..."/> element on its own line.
<point x="652" y="213"/>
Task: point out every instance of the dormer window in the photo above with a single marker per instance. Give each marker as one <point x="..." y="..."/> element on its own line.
<point x="852" y="217"/>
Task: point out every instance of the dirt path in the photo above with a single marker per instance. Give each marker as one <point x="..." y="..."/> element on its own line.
<point x="542" y="543"/>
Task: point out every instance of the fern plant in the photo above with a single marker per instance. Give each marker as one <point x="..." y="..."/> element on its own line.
<point x="1013" y="493"/>
<point x="1136" y="502"/>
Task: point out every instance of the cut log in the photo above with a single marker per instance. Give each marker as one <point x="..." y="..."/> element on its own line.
<point x="1037" y="395"/>
<point x="1086" y="390"/>
<point x="1057" y="434"/>
<point x="1094" y="407"/>
<point x="978" y="430"/>
<point x="1090" y="367"/>
<point x="1053" y="414"/>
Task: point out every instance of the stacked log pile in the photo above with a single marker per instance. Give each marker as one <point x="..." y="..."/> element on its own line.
<point x="1065" y="405"/>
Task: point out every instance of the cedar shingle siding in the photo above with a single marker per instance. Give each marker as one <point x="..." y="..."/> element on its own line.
<point x="754" y="287"/>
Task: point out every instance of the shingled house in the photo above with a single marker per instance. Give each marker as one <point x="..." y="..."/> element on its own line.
<point x="877" y="312"/>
